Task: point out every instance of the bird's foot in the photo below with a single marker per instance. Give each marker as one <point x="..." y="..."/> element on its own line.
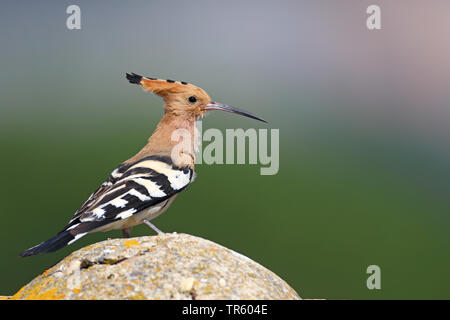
<point x="151" y="225"/>
<point x="126" y="232"/>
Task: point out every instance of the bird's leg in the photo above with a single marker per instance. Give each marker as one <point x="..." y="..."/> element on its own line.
<point x="151" y="225"/>
<point x="126" y="232"/>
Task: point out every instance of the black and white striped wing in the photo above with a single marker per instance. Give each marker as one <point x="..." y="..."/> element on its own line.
<point x="132" y="188"/>
<point x="129" y="189"/>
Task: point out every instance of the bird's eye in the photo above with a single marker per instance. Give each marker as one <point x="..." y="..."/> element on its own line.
<point x="192" y="99"/>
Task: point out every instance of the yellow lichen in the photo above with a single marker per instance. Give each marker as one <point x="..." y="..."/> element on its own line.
<point x="47" y="295"/>
<point x="129" y="243"/>
<point x="38" y="292"/>
<point x="76" y="290"/>
<point x="128" y="287"/>
<point x="19" y="292"/>
<point x="138" y="296"/>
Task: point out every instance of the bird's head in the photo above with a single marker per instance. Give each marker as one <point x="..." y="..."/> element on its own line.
<point x="183" y="99"/>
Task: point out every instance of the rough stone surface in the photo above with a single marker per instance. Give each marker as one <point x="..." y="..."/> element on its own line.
<point x="167" y="266"/>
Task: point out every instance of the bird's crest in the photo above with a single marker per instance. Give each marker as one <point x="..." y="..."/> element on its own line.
<point x="161" y="87"/>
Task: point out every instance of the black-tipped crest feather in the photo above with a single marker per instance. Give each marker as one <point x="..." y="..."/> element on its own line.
<point x="134" y="78"/>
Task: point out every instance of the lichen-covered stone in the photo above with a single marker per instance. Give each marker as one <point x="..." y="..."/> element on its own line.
<point x="167" y="266"/>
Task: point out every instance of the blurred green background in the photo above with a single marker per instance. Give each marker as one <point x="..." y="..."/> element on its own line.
<point x="363" y="115"/>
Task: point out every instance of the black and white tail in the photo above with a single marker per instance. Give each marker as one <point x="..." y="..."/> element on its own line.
<point x="52" y="244"/>
<point x="71" y="233"/>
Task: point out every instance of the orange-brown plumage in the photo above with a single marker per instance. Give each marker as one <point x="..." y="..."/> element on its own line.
<point x="180" y="112"/>
<point x="176" y="97"/>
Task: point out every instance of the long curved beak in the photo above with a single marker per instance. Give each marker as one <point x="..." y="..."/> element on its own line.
<point x="220" y="106"/>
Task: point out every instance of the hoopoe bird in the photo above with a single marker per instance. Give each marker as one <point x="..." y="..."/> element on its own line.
<point x="144" y="186"/>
